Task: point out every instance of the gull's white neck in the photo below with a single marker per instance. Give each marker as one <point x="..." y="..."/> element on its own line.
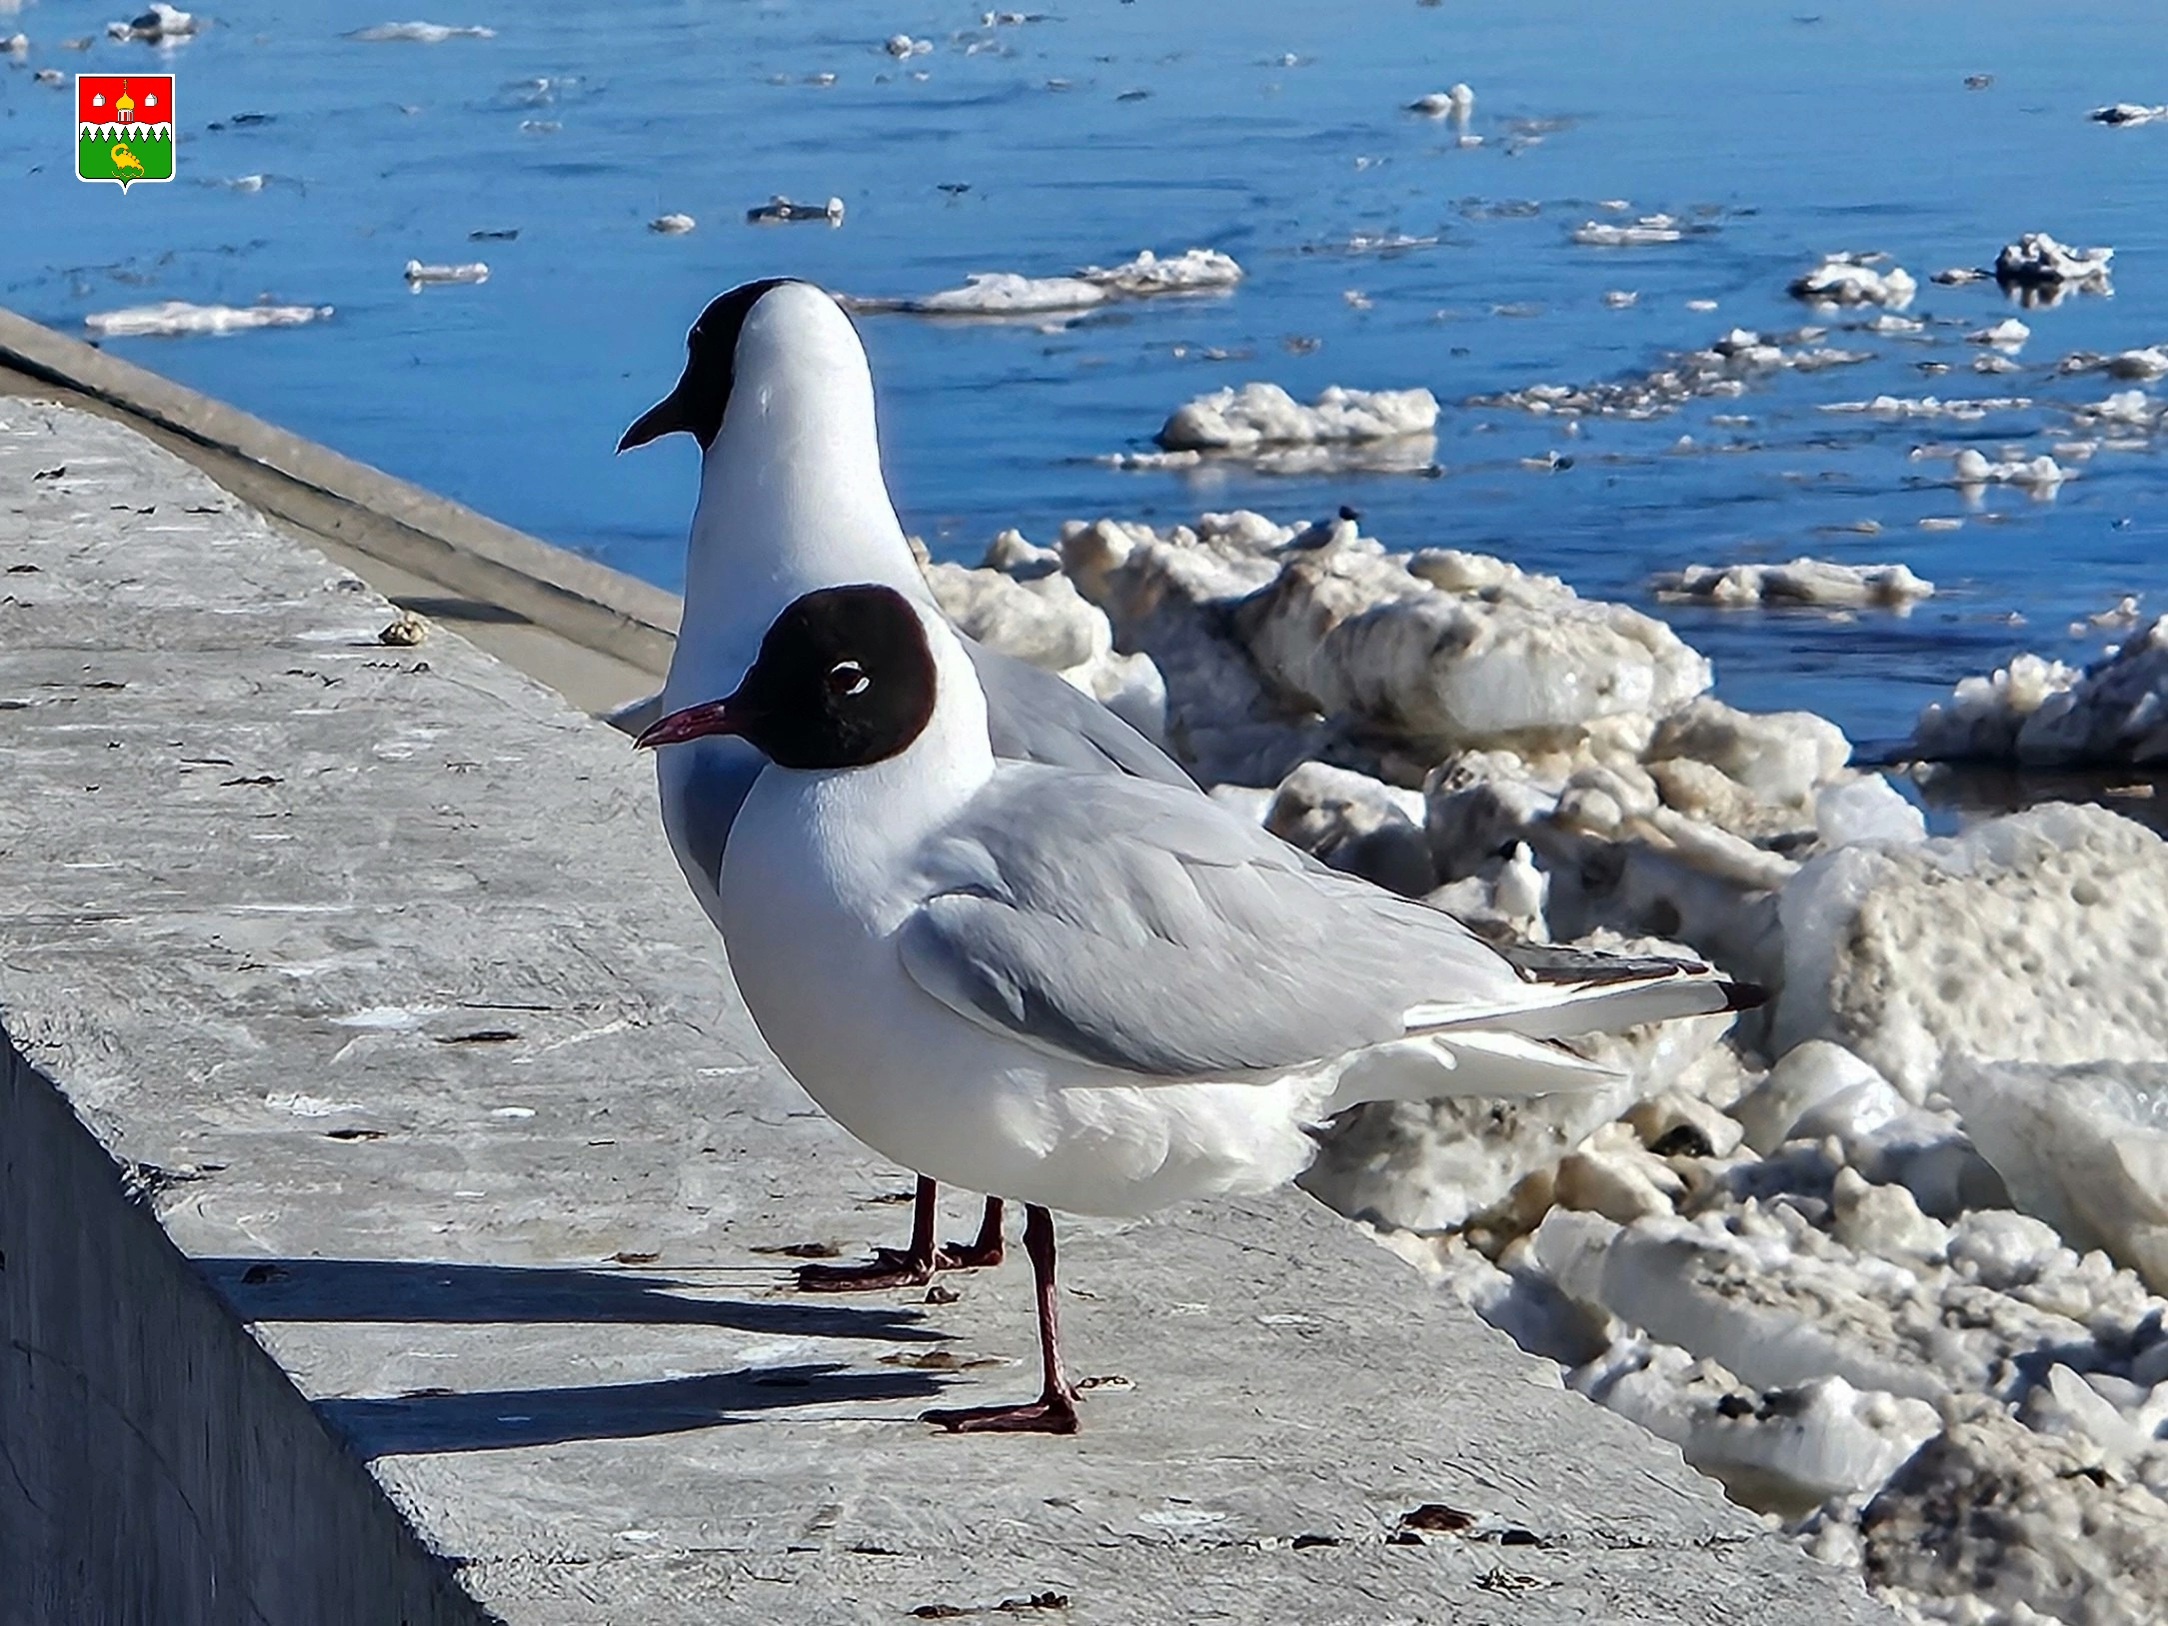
<point x="791" y="493"/>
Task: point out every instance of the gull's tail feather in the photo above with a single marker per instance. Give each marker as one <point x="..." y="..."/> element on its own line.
<point x="1566" y="992"/>
<point x="1490" y="1065"/>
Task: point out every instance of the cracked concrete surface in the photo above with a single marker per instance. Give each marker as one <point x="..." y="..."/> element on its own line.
<point x="373" y="963"/>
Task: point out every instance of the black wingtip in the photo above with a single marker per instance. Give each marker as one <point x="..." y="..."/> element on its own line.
<point x="1744" y="996"/>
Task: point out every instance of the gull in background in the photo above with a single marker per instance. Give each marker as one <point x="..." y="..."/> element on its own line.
<point x="1078" y="990"/>
<point x="777" y="392"/>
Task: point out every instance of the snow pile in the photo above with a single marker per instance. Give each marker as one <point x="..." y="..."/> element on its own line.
<point x="2036" y="259"/>
<point x="1260" y="415"/>
<point x="2026" y="939"/>
<point x="1803" y="581"/>
<point x="1855" y="279"/>
<point x="2041" y="713"/>
<point x="175" y="316"/>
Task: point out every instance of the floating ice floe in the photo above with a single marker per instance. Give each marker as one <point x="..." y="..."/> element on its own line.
<point x="1194" y="270"/>
<point x="2041" y="713"/>
<point x="779" y="210"/>
<point x="161" y="22"/>
<point x="1803" y="581"/>
<point x="1855" y="279"/>
<point x="1619" y="299"/>
<point x="1963" y="409"/>
<point x="1645" y="232"/>
<point x="1724" y="368"/>
<point x="1261" y="415"/>
<point x="176" y="316"/>
<point x="1959" y="275"/>
<point x="2007" y="334"/>
<point x="50" y="76"/>
<point x="417" y="273"/>
<point x="1004" y="293"/>
<point x="672" y="225"/>
<point x="903" y="46"/>
<point x="2037" y="260"/>
<point x="2128" y="113"/>
<point x="1973" y="467"/>
<point x="2129" y="409"/>
<point x="1444" y="103"/>
<point x="15" y="45"/>
<point x="420" y="33"/>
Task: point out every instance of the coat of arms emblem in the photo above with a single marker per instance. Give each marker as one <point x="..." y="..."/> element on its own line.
<point x="124" y="127"/>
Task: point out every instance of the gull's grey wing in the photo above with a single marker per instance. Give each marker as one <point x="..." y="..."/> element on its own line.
<point x="1136" y="926"/>
<point x="1034" y="716"/>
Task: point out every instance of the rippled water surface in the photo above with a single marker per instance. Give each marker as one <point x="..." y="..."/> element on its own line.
<point x="1275" y="132"/>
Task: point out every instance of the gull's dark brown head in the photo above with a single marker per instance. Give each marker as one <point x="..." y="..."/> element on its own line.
<point x="697" y="404"/>
<point x="845" y="678"/>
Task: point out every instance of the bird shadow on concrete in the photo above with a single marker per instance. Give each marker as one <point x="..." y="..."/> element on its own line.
<point x="420" y="1290"/>
<point x="498" y="1419"/>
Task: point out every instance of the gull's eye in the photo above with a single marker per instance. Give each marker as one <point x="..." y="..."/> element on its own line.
<point x="848" y="678"/>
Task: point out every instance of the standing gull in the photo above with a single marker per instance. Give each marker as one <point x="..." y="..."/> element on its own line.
<point x="1086" y="991"/>
<point x="777" y="392"/>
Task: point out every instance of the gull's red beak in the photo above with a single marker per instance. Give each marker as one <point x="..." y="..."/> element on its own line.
<point x="694" y="723"/>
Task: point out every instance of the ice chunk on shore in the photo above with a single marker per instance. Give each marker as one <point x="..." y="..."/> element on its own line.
<point x="2034" y="938"/>
<point x="1261" y="414"/>
<point x="2082" y="1147"/>
<point x="2036" y="258"/>
<point x="176" y="316"/>
<point x="1855" y="279"/>
<point x="1355" y="823"/>
<point x="420" y="33"/>
<point x="1803" y="581"/>
<point x="2042" y="713"/>
<point x="1037" y="616"/>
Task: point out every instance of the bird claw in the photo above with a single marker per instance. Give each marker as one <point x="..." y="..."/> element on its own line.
<point x="1053" y="1413"/>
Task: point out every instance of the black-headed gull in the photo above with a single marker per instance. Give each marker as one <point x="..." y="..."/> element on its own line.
<point x="1085" y="991"/>
<point x="777" y="392"/>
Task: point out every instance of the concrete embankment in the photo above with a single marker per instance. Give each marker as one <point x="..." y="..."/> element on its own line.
<point x="398" y="1205"/>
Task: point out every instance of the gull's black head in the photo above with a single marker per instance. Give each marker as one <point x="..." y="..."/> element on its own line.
<point x="845" y="678"/>
<point x="696" y="405"/>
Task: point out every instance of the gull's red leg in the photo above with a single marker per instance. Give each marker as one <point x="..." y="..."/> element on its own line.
<point x="913" y="1266"/>
<point x="1054" y="1412"/>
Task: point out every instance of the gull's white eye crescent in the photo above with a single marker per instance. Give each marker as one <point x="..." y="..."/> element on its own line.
<point x="848" y="678"/>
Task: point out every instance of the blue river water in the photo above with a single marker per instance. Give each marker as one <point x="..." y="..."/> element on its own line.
<point x="1276" y="132"/>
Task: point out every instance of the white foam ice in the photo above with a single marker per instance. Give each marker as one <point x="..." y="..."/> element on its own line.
<point x="418" y="273"/>
<point x="1646" y="232"/>
<point x="176" y="316"/>
<point x="420" y="33"/>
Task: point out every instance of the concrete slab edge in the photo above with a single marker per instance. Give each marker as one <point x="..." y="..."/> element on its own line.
<point x="159" y="1464"/>
<point x="374" y="512"/>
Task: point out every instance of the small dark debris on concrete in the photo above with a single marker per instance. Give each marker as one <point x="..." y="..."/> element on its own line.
<point x="260" y="1275"/>
<point x="938" y="1360"/>
<point x="53" y="473"/>
<point x="253" y="779"/>
<point x="1313" y="1539"/>
<point x="629" y="1256"/>
<point x="1438" y="1517"/>
<point x="22" y="570"/>
<point x="480" y="1036"/>
<point x="354" y="1134"/>
<point x="802" y="1250"/>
